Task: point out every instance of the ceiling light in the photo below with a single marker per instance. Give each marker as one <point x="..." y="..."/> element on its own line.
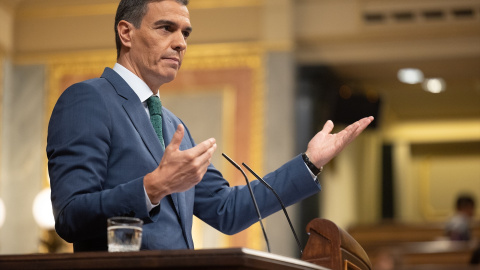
<point x="410" y="75"/>
<point x="434" y="85"/>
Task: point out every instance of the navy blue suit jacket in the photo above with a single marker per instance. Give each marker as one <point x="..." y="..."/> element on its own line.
<point x="101" y="144"/>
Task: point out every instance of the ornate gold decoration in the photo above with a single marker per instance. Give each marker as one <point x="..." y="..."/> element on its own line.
<point x="249" y="55"/>
<point x="224" y="56"/>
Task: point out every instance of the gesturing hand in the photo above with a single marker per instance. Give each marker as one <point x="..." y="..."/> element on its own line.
<point x="179" y="170"/>
<point x="324" y="146"/>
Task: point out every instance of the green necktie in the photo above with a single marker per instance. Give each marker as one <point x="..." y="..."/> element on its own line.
<point x="155" y="109"/>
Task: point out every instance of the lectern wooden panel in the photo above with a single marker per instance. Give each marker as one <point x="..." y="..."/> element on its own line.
<point x="328" y="247"/>
<point x="236" y="258"/>
<point x="332" y="247"/>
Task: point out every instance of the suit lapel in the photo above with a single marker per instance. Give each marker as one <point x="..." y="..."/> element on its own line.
<point x="168" y="131"/>
<point x="144" y="128"/>
<point x="136" y="112"/>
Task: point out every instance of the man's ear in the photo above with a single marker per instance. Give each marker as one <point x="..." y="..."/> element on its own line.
<point x="125" y="33"/>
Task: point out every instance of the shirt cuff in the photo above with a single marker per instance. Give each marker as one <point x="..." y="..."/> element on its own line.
<point x="314" y="177"/>
<point x="148" y="203"/>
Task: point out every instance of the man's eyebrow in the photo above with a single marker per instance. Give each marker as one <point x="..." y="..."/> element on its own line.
<point x="167" y="22"/>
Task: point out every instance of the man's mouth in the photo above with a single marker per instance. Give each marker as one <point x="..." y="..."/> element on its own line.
<point x="173" y="60"/>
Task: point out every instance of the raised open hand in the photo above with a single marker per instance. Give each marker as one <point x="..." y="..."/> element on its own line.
<point x="179" y="170"/>
<point x="324" y="146"/>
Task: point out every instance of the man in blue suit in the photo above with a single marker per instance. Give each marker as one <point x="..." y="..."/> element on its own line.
<point x="105" y="158"/>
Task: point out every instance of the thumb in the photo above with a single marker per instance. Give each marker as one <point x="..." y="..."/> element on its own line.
<point x="177" y="137"/>
<point x="328" y="127"/>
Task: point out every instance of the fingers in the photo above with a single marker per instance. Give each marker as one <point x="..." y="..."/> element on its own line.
<point x="203" y="147"/>
<point x="206" y="157"/>
<point x="197" y="150"/>
<point x="325" y="145"/>
<point x="362" y="124"/>
<point x="328" y="127"/>
<point x="177" y="137"/>
<point x="210" y="150"/>
<point x="201" y="154"/>
<point x="198" y="159"/>
<point x="353" y="130"/>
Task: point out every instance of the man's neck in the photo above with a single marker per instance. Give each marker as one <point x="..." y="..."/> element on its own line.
<point x="128" y="64"/>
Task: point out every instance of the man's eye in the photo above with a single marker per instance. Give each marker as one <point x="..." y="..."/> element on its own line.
<point x="186" y="34"/>
<point x="166" y="28"/>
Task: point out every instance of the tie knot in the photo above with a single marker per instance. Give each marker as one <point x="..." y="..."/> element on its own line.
<point x="154" y="105"/>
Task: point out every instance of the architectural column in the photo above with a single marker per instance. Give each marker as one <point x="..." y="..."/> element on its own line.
<point x="279" y="112"/>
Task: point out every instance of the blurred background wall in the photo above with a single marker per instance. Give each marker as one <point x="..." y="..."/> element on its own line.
<point x="270" y="72"/>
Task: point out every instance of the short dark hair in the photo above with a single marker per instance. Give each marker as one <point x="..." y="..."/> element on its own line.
<point x="464" y="200"/>
<point x="133" y="11"/>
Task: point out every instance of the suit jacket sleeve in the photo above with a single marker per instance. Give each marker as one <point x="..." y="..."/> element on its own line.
<point x="78" y="146"/>
<point x="231" y="210"/>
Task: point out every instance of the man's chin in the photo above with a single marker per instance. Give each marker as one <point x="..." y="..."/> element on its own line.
<point x="169" y="77"/>
<point x="166" y="74"/>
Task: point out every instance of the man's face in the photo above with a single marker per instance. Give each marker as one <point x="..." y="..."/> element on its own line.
<point x="158" y="46"/>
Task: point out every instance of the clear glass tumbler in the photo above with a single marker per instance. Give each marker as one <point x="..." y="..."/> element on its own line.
<point x="124" y="234"/>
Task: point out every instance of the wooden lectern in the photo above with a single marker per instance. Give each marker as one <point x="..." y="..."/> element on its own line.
<point x="328" y="247"/>
<point x="205" y="259"/>
<point x="332" y="247"/>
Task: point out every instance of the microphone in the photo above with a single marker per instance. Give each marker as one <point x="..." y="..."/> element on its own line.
<point x="253" y="198"/>
<point x="281" y="203"/>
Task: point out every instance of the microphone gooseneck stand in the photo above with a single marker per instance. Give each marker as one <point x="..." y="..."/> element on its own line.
<point x="253" y="198"/>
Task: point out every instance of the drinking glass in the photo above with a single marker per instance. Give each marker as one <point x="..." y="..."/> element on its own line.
<point x="124" y="234"/>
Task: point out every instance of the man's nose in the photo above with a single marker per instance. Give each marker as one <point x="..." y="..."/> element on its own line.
<point x="179" y="42"/>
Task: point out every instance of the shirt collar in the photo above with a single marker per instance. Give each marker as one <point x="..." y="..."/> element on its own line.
<point x="138" y="85"/>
